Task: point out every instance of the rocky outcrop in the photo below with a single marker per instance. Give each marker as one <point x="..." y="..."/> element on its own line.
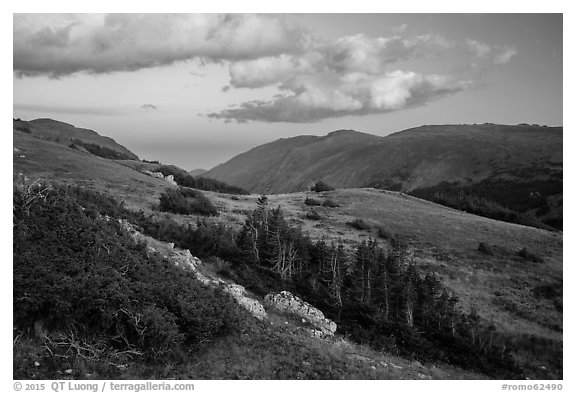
<point x="253" y="306"/>
<point x="157" y="175"/>
<point x="170" y="179"/>
<point x="160" y="175"/>
<point x="286" y="302"/>
<point x="185" y="260"/>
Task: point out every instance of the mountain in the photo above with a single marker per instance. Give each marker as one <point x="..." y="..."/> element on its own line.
<point x="509" y="278"/>
<point x="197" y="172"/>
<point x="410" y="159"/>
<point x="79" y="138"/>
<point x="288" y="165"/>
<point x="517" y="166"/>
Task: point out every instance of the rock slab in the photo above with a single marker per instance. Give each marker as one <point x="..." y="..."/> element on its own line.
<point x="287" y="302"/>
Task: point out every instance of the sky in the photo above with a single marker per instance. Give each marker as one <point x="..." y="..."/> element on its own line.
<point x="196" y="89"/>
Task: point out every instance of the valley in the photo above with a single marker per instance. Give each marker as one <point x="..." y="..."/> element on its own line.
<point x="503" y="285"/>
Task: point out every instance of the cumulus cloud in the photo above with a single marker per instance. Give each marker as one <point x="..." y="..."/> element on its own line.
<point x="316" y="78"/>
<point x="316" y="98"/>
<point x="60" y="45"/>
<point x="353" y="75"/>
<point x="487" y="54"/>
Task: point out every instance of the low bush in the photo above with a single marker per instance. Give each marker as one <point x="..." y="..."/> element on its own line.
<point x="186" y="201"/>
<point x="312" y="202"/>
<point x="201" y="183"/>
<point x="330" y="203"/>
<point x="23" y="129"/>
<point x="385" y="234"/>
<point x="313" y="215"/>
<point x="102" y="151"/>
<point x="359" y="224"/>
<point x="320" y="186"/>
<point x="485" y="248"/>
<point x="84" y="278"/>
<point x="530" y="256"/>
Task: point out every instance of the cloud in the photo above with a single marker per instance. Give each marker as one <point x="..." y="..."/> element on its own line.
<point x="495" y="55"/>
<point x="505" y="55"/>
<point x="149" y="107"/>
<point x="316" y="78"/>
<point x="317" y="98"/>
<point x="59" y="45"/>
<point x="355" y="75"/>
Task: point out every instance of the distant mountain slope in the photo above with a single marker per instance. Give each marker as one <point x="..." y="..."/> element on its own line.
<point x="41" y="159"/>
<point x="418" y="157"/>
<point x="197" y="172"/>
<point x="287" y="165"/>
<point x="519" y="167"/>
<point x="67" y="134"/>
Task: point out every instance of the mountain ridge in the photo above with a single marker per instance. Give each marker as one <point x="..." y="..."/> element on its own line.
<point x="67" y="134"/>
<point x="440" y="162"/>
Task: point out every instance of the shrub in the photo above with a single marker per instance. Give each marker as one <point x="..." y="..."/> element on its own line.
<point x="23" y="129"/>
<point x="186" y="201"/>
<point x="320" y="186"/>
<point x="359" y="224"/>
<point x="313" y="215"/>
<point x="330" y="203"/>
<point x="383" y="233"/>
<point x="101" y="151"/>
<point x="201" y="183"/>
<point x="530" y="256"/>
<point x="312" y="202"/>
<point x="485" y="248"/>
<point x="74" y="273"/>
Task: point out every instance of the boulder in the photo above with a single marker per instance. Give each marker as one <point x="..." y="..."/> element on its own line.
<point x="170" y="179"/>
<point x="253" y="306"/>
<point x="185" y="260"/>
<point x="287" y="302"/>
<point x="158" y="175"/>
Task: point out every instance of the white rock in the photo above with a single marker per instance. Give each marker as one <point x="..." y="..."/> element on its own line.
<point x="285" y="301"/>
<point x="170" y="179"/>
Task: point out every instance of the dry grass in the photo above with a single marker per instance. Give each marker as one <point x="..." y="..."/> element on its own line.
<point x="441" y="239"/>
<point x="444" y="241"/>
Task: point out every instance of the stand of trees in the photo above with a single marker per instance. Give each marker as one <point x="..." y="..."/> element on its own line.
<point x="502" y="200"/>
<point x="200" y="183"/>
<point x="102" y="151"/>
<point x="374" y="294"/>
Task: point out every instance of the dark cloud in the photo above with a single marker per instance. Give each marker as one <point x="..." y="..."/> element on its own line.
<point x="317" y="78"/>
<point x="149" y="107"/>
<point x="59" y="45"/>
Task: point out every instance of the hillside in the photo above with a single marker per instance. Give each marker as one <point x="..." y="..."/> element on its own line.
<point x="520" y="293"/>
<point x="67" y="134"/>
<point x="286" y="164"/>
<point x="517" y="167"/>
<point x="406" y="160"/>
<point x="42" y="159"/>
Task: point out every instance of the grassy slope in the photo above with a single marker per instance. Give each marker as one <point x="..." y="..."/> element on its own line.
<point x="65" y="133"/>
<point x="442" y="239"/>
<point x="445" y="241"/>
<point x="52" y="161"/>
<point x="419" y="157"/>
